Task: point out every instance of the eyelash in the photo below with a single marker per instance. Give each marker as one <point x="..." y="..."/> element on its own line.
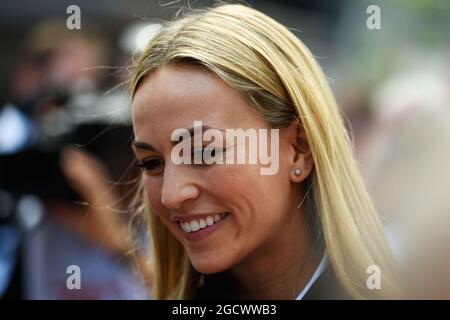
<point x="146" y="165"/>
<point x="150" y="166"/>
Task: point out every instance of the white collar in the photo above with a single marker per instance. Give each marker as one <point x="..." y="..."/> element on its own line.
<point x="320" y="269"/>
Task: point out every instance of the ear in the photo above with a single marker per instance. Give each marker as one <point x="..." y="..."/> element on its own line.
<point x="300" y="156"/>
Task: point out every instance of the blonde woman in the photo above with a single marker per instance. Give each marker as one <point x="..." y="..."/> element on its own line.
<point x="309" y="231"/>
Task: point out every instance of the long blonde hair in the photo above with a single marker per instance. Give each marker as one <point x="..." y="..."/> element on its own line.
<point x="276" y="74"/>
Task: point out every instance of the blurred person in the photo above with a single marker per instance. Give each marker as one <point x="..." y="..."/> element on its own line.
<point x="56" y="58"/>
<point x="56" y="65"/>
<point x="57" y="91"/>
<point x="221" y="231"/>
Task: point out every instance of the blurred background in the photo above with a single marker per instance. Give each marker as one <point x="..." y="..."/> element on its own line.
<point x="66" y="169"/>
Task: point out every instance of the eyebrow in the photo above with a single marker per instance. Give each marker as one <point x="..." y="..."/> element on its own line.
<point x="202" y="128"/>
<point x="146" y="146"/>
<point x="142" y="145"/>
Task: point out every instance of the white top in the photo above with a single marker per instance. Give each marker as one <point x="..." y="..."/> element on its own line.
<point x="320" y="269"/>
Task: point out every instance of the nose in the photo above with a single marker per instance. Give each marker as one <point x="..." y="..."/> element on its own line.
<point x="178" y="187"/>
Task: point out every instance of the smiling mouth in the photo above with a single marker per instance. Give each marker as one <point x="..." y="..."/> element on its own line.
<point x="198" y="224"/>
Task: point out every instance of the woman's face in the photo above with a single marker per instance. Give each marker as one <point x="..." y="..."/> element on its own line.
<point x="239" y="212"/>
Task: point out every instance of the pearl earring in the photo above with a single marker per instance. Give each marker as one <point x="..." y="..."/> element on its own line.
<point x="298" y="172"/>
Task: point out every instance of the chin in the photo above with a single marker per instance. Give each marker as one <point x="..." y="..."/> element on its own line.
<point x="209" y="266"/>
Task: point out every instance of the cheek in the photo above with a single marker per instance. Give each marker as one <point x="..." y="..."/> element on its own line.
<point x="256" y="200"/>
<point x="152" y="188"/>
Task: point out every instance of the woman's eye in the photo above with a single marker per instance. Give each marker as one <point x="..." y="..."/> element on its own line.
<point x="151" y="166"/>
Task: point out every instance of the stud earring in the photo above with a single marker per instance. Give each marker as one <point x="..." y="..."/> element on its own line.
<point x="297" y="172"/>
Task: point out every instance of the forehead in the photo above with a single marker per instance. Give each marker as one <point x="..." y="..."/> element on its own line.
<point x="178" y="90"/>
<point x="174" y="96"/>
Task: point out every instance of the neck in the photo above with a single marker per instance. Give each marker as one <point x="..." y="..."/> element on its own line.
<point x="282" y="267"/>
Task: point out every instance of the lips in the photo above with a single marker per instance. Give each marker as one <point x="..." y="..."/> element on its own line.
<point x="198" y="223"/>
<point x="200" y="226"/>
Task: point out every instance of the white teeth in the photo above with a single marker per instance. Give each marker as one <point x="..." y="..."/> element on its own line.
<point x="196" y="225"/>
